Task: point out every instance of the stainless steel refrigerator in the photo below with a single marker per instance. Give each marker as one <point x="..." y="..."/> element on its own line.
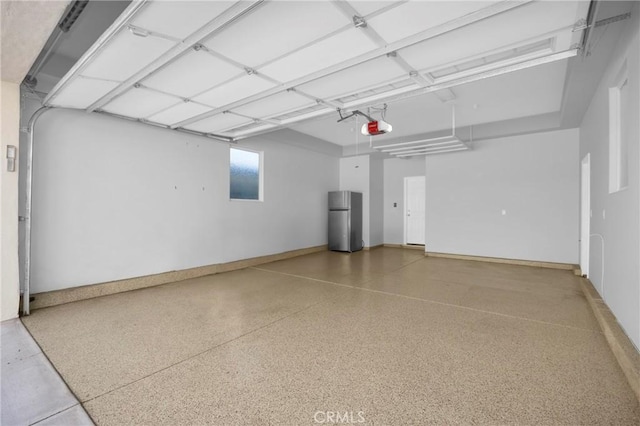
<point x="345" y="221"/>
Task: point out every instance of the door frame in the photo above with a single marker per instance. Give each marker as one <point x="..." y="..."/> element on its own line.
<point x="585" y="213"/>
<point x="405" y="208"/>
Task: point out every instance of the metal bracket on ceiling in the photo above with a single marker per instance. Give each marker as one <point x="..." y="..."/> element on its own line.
<point x="429" y="146"/>
<point x="590" y="24"/>
<point x="612" y="19"/>
<point x="353" y="113"/>
<point x="72" y="15"/>
<point x="419" y="79"/>
<point x="137" y="31"/>
<point x="583" y="25"/>
<point x="580" y="25"/>
<point x="359" y="22"/>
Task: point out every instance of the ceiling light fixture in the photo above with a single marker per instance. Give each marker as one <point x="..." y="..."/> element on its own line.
<point x="353" y="114"/>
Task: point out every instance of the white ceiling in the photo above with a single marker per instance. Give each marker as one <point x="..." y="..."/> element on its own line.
<point x="235" y="69"/>
<point x="26" y="25"/>
<point x="524" y="93"/>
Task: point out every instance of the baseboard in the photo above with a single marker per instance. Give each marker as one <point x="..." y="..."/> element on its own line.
<point x="372" y="247"/>
<point x="405" y="246"/>
<point x="623" y="349"/>
<point x="58" y="297"/>
<point x="538" y="264"/>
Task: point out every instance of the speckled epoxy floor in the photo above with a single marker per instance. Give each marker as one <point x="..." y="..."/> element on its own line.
<point x="386" y="336"/>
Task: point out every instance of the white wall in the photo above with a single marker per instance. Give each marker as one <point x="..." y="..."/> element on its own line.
<point x="9" y="277"/>
<point x="114" y="199"/>
<point x="534" y="178"/>
<point x="355" y="176"/>
<point x="376" y="186"/>
<point x="620" y="225"/>
<point x="395" y="170"/>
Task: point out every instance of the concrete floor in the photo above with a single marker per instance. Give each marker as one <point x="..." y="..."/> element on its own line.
<point x="386" y="336"/>
<point x="32" y="391"/>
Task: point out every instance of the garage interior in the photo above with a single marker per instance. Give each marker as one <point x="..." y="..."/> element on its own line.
<point x="165" y="171"/>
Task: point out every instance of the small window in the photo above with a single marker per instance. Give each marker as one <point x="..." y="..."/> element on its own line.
<point x="619" y="123"/>
<point x="245" y="175"/>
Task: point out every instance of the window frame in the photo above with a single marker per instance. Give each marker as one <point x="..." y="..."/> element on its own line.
<point x="260" y="175"/>
<point x="616" y="131"/>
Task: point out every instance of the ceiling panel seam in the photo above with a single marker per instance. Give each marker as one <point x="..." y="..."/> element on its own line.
<point x="308" y="115"/>
<point x="384" y="9"/>
<point x="97" y="79"/>
<point x="218" y="138"/>
<point x="142" y="86"/>
<point x="196" y="48"/>
<point x="163" y="110"/>
<point x="230" y="129"/>
<point x="317" y="99"/>
<point x="305" y="46"/>
<point x="179" y="100"/>
<point x="287" y="111"/>
<point x="255" y="119"/>
<point x="247" y="69"/>
<point x="232" y="79"/>
<point x="253" y="132"/>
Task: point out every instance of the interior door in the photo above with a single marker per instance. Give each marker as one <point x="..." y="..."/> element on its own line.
<point x="585" y="213"/>
<point x="414" y="201"/>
